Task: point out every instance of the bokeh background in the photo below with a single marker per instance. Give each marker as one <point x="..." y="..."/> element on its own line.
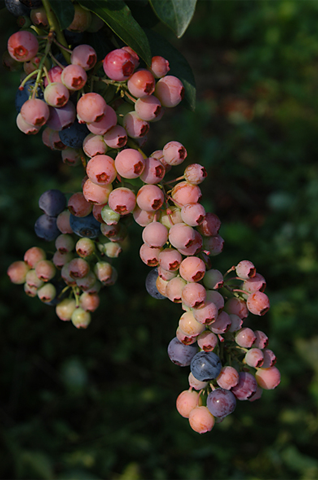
<point x="100" y="403"/>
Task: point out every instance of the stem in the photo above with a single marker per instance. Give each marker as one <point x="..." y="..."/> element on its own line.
<point x="54" y="27"/>
<point x="175" y="180"/>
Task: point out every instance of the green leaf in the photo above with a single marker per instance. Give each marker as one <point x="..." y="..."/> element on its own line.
<point x="64" y="10"/>
<point x="37" y="464"/>
<point x="178" y="64"/>
<point x="176" y="14"/>
<point x="118" y="17"/>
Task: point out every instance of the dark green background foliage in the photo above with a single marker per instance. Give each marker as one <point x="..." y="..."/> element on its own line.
<point x="100" y="403"/>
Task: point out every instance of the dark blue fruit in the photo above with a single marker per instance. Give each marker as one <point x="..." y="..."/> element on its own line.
<point x="181" y="354"/>
<point x="205" y="366"/>
<point x="85" y="226"/>
<point x="45" y="227"/>
<point x="221" y="402"/>
<point x="151" y="285"/>
<point x="16" y="8"/>
<point x="52" y="202"/>
<point x="74" y="135"/>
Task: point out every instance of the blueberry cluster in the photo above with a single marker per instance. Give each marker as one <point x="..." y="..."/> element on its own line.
<point x="97" y="113"/>
<point x="228" y="361"/>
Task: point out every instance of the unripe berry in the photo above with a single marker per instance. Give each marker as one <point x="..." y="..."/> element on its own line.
<point x="189" y="325"/>
<point x="80" y="318"/>
<point x="254" y="357"/>
<point x="174" y="289"/>
<point x="193" y="295"/>
<point x="153" y="172"/>
<point x="228" y="378"/>
<point x="196" y="384"/>
<point x="254" y="284"/>
<point x="22" y="46"/>
<point x="150" y="198"/>
<point x="74" y="77"/>
<point x="170" y="91"/>
<point x="170" y="259"/>
<point x="103" y="271"/>
<point x="116" y="137"/>
<point x="268" y="378"/>
<point x="35" y="112"/>
<point x="149" y="255"/>
<point x="97" y="194"/>
<point x="122" y="200"/>
<point x="141" y="83"/>
<point x="17" y="272"/>
<point x="155" y="234"/>
<point x="78" y="205"/>
<point x="64" y="310"/>
<point x="84" y="56"/>
<point x="236" y="306"/>
<point x="201" y="420"/>
<point x="193" y="214"/>
<point x="245" y="269"/>
<point x="45" y="270"/>
<point x="56" y="95"/>
<point x="195" y="173"/>
<point x="207" y="313"/>
<point x="192" y="269"/>
<point x="63" y="222"/>
<point x="32" y="280"/>
<point x="25" y="127"/>
<point x="64" y="243"/>
<point x="119" y="65"/>
<point x="85" y="247"/>
<point x="108" y="121"/>
<point x="135" y="126"/>
<point x="78" y="268"/>
<point x="129" y="163"/>
<point x="187" y="401"/>
<point x="181" y="235"/>
<point x="47" y="292"/>
<point x="213" y="279"/>
<point x="91" y="107"/>
<point x="210" y="225"/>
<point x="174" y="153"/>
<point x="221" y="324"/>
<point x="245" y="337"/>
<point x="159" y="66"/>
<point x="101" y="170"/>
<point x="148" y="108"/>
<point x="184" y="193"/>
<point x="258" y="303"/>
<point x="33" y="255"/>
<point x="89" y="301"/>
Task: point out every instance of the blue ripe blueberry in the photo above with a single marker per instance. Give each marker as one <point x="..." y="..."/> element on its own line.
<point x="181" y="354"/>
<point x="73" y="38"/>
<point x="16" y="8"/>
<point x="205" y="366"/>
<point x="45" y="227"/>
<point x="221" y="402"/>
<point x="52" y="202"/>
<point x="23" y="95"/>
<point x="74" y="135"/>
<point x="151" y="285"/>
<point x="85" y="226"/>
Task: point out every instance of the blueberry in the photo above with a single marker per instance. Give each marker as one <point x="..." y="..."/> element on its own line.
<point x="16" y="8"/>
<point x="205" y="366"/>
<point x="151" y="285"/>
<point x="85" y="226"/>
<point x="45" y="227"/>
<point x="181" y="354"/>
<point x="52" y="202"/>
<point x="74" y="135"/>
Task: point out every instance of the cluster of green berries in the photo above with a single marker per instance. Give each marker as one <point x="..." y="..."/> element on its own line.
<point x="98" y="113"/>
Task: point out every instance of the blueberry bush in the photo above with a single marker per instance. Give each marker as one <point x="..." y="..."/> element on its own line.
<point x="132" y="175"/>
